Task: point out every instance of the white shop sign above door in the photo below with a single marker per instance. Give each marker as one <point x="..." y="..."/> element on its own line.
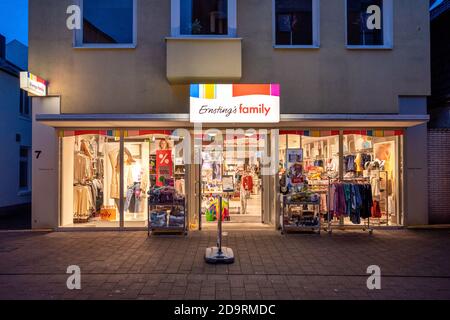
<point x="235" y="103"/>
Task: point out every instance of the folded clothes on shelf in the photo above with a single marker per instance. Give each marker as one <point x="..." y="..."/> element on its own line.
<point x="303" y="197"/>
<point x="176" y="221"/>
<point x="165" y="194"/>
<point x="158" y="219"/>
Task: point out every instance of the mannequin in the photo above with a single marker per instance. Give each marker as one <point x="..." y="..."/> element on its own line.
<point x="136" y="188"/>
<point x="246" y="187"/>
<point x="114" y="160"/>
<point x="163" y="144"/>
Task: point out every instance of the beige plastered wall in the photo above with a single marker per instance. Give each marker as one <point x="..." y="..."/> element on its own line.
<point x="332" y="79"/>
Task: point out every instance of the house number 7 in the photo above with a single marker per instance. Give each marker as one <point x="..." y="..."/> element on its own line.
<point x="38" y="153"/>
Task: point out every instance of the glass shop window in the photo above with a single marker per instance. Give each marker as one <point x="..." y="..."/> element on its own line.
<point x="318" y="157"/>
<point x="90" y="175"/>
<point x="309" y="160"/>
<point x="154" y="179"/>
<point x="108" y="22"/>
<point x="204" y="17"/>
<point x="374" y="159"/>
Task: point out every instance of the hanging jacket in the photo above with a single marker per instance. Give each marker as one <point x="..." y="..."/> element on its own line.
<point x="247" y="183"/>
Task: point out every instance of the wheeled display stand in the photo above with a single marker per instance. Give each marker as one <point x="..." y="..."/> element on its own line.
<point x="306" y="218"/>
<point x="329" y="226"/>
<point x="219" y="254"/>
<point x="168" y="208"/>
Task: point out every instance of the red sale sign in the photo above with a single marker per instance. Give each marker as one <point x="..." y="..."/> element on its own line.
<point x="164" y="166"/>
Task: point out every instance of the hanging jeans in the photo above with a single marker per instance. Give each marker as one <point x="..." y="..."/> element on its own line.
<point x="133" y="200"/>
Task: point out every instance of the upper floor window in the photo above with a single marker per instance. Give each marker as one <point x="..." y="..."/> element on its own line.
<point x="107" y="23"/>
<point x="204" y="18"/>
<point x="369" y="23"/>
<point x="296" y="23"/>
<point x="24" y="104"/>
<point x="24" y="168"/>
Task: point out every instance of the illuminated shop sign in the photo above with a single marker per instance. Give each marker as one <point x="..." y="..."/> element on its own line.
<point x="235" y="103"/>
<point x="33" y="84"/>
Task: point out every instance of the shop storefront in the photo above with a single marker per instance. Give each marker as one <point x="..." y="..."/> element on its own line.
<point x="118" y="178"/>
<point x="167" y="173"/>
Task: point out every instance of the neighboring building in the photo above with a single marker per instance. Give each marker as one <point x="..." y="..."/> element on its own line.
<point x="17" y="53"/>
<point x="351" y="94"/>
<point x="15" y="128"/>
<point x="439" y="109"/>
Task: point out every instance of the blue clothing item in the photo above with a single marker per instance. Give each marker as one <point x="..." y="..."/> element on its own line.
<point x="355" y="215"/>
<point x="349" y="163"/>
<point x="348" y="199"/>
<point x="318" y="163"/>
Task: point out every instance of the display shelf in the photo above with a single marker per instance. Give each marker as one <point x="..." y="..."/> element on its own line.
<point x="169" y="207"/>
<point x="303" y="222"/>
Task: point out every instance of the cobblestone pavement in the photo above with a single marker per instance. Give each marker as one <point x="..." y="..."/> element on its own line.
<point x="128" y="265"/>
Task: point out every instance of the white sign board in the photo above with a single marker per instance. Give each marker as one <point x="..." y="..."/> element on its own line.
<point x="33" y="84"/>
<point x="235" y="103"/>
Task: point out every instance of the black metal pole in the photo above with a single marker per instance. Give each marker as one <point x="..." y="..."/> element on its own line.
<point x="220" y="225"/>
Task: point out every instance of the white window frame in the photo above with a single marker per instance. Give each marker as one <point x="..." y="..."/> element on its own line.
<point x="315" y="28"/>
<point x="388" y="29"/>
<point x="175" y="24"/>
<point x="78" y="34"/>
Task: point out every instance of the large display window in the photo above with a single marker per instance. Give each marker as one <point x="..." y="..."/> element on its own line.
<point x="137" y="178"/>
<point x="92" y="165"/>
<point x="374" y="157"/>
<point x="340" y="177"/>
<point x="89" y="178"/>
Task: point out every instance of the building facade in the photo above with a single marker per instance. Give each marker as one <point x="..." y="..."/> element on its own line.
<point x="439" y="110"/>
<point x="15" y="126"/>
<point x="352" y="77"/>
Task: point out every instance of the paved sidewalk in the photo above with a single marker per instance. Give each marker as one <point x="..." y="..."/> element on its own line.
<point x="128" y="265"/>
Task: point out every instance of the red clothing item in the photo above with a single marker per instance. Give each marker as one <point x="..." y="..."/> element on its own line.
<point x="247" y="183"/>
<point x="376" y="211"/>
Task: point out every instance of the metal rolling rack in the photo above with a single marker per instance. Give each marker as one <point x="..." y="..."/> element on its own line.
<point x="329" y="227"/>
<point x="153" y="206"/>
<point x="299" y="226"/>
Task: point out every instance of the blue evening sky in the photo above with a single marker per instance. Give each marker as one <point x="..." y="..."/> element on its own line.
<point x="14" y="20"/>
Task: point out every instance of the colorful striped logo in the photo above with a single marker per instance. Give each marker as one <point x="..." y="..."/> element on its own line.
<point x="220" y="91"/>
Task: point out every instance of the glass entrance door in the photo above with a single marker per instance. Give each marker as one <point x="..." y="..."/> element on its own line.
<point x="231" y="168"/>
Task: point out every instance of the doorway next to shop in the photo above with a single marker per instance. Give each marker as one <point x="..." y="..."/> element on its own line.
<point x="231" y="170"/>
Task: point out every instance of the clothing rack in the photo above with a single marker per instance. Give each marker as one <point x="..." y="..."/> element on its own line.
<point x="329" y="227"/>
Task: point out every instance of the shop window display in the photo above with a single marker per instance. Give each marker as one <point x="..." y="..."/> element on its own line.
<point x="375" y="159"/>
<point x="155" y="181"/>
<point x="91" y="176"/>
<point x="308" y="160"/>
<point x="88" y="178"/>
<point x="136" y="155"/>
<point x="351" y="183"/>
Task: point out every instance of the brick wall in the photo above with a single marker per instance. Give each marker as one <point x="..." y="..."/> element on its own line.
<point x="439" y="175"/>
